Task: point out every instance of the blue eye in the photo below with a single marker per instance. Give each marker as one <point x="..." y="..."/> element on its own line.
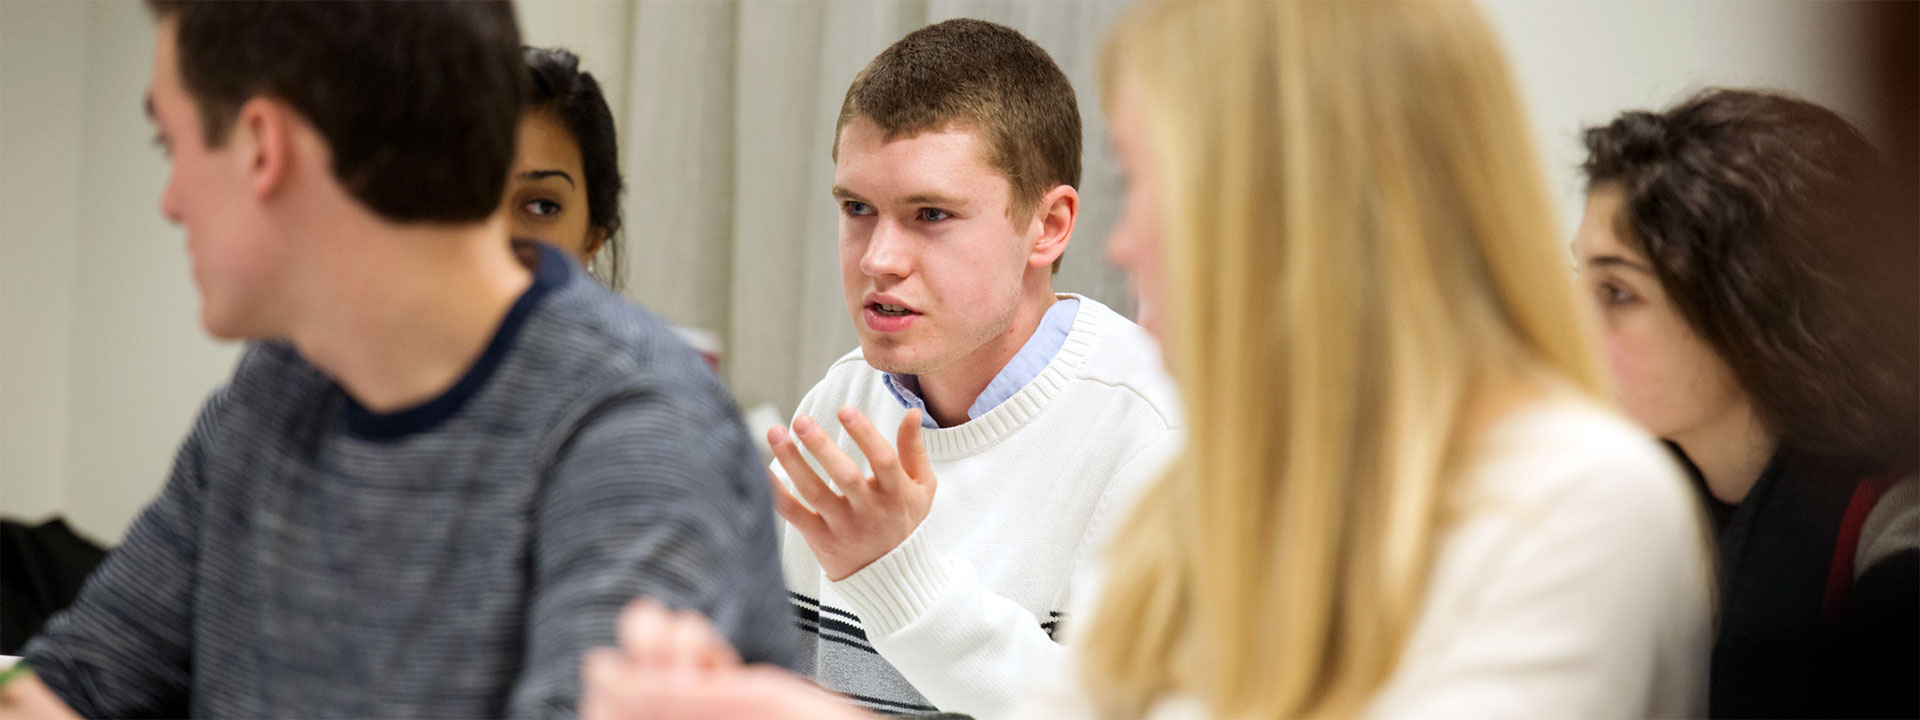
<point x="934" y="214"/>
<point x="542" y="208"/>
<point x="856" y="208"/>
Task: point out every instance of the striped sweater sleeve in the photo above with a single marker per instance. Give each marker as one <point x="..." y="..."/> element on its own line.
<point x="124" y="647"/>
<point x="638" y="506"/>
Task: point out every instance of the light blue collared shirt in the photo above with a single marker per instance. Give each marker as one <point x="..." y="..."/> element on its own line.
<point x="1022" y="369"/>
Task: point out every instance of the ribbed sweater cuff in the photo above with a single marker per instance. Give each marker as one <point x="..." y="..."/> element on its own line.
<point x="891" y="592"/>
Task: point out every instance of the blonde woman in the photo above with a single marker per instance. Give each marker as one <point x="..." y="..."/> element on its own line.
<point x="1401" y="496"/>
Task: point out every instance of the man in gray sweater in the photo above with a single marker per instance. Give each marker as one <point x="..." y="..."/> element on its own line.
<point x="440" y="471"/>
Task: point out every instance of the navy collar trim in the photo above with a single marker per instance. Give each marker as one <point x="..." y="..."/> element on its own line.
<point x="554" y="269"/>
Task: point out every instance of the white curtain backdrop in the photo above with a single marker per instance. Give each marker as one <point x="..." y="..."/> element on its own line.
<point x="726" y="111"/>
<point x="730" y="226"/>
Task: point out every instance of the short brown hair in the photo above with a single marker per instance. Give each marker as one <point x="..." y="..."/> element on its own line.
<point x="419" y="102"/>
<point x="985" y="77"/>
<point x="1769" y="222"/>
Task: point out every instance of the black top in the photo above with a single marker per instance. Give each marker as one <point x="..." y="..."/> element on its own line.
<point x="1779" y="652"/>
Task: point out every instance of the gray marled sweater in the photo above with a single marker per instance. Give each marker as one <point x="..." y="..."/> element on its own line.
<point x="310" y="558"/>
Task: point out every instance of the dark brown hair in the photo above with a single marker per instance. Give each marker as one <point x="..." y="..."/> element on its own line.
<point x="1772" y="224"/>
<point x="574" y="96"/>
<point x="983" y="77"/>
<point x="418" y="101"/>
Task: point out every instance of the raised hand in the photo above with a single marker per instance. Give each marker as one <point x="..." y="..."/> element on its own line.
<point x="871" y="514"/>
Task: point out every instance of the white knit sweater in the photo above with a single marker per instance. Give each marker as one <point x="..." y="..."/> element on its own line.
<point x="961" y="615"/>
<point x="1576" y="584"/>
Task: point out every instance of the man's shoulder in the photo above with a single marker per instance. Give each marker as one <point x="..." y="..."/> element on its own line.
<point x="604" y="386"/>
<point x="1117" y="345"/>
<point x="588" y="334"/>
<point x="583" y="312"/>
<point x="273" y="363"/>
<point x="270" y="377"/>
<point x="1121" y="357"/>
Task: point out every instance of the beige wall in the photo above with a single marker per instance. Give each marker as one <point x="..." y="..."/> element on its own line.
<point x="41" y="91"/>
<point x="1582" y="63"/>
<point x="103" y="365"/>
<point x="101" y="358"/>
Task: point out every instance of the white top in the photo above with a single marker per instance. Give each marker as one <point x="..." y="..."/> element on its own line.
<point x="960" y="615"/>
<point x="1578" y="585"/>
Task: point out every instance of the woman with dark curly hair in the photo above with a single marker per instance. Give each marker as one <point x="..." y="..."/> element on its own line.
<point x="565" y="186"/>
<point x="1754" y="268"/>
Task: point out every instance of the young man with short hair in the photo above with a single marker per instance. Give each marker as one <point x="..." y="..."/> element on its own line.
<point x="438" y="474"/>
<point x="956" y="155"/>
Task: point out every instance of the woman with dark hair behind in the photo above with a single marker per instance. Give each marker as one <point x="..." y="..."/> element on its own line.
<point x="565" y="186"/>
<point x="1753" y="261"/>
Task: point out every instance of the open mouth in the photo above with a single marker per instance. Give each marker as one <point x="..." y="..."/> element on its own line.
<point x="885" y="314"/>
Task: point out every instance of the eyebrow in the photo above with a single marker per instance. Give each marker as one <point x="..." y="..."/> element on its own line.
<point x="1617" y="261"/>
<point x="544" y="174"/>
<point x="934" y="199"/>
<point x="840" y="191"/>
<point x="924" y="198"/>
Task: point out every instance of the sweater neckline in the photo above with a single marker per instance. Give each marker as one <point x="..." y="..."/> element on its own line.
<point x="1015" y="412"/>
<point x="552" y="271"/>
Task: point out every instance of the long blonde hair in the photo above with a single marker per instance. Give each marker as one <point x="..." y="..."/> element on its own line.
<point x="1360" y="258"/>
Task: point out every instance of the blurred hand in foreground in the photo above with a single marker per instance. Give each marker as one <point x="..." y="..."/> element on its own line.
<point x="673" y="664"/>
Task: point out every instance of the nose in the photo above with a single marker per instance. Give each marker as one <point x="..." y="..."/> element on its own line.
<point x="1120" y="245"/>
<point x="170" y="200"/>
<point x="887" y="251"/>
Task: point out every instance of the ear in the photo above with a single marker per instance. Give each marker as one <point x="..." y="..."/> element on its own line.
<point x="596" y="238"/>
<point x="262" y="134"/>
<point x="1053" y="219"/>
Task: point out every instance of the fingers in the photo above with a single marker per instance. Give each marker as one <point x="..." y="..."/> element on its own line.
<point x="26" y="696"/>
<point x="888" y="476"/>
<point x="794" y="697"/>
<point x="642" y="632"/>
<point x="841" y="468"/>
<point x="822" y="498"/>
<point x="697" y="645"/>
<point x="913" y="450"/>
<point x="605" y="691"/>
<point x="674" y="664"/>
<point x="808" y="522"/>
<point x="654" y="636"/>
